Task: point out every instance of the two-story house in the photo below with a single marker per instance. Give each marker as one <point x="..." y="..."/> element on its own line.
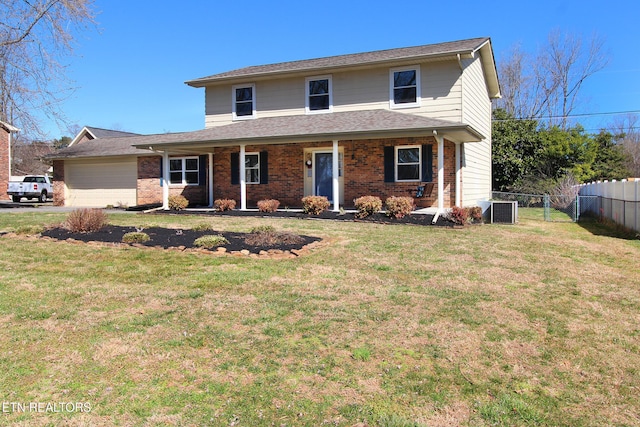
<point x="379" y="123"/>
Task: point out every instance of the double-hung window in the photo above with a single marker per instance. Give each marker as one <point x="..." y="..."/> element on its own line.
<point x="404" y="87"/>
<point x="244" y="101"/>
<point x="184" y="171"/>
<point x="408" y="163"/>
<point x="252" y="168"/>
<point x="319" y="98"/>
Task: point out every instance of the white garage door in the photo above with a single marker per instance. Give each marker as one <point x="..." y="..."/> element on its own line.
<point x="101" y="183"/>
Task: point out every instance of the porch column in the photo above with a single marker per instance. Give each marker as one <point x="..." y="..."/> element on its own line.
<point x="440" y="140"/>
<point x="165" y="180"/>
<point x="210" y="183"/>
<point x="243" y="180"/>
<point x="336" y="177"/>
<point x="458" y="175"/>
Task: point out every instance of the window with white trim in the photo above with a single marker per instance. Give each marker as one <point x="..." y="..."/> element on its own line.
<point x="319" y="97"/>
<point x="252" y="168"/>
<point x="244" y="101"/>
<point x="404" y="87"/>
<point x="408" y="163"/>
<point x="184" y="171"/>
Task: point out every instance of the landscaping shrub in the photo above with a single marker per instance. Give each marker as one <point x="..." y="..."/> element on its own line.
<point x="263" y="229"/>
<point x="458" y="215"/>
<point x="315" y="205"/>
<point x="269" y="205"/>
<point x="399" y="207"/>
<point x="85" y="220"/>
<point x="367" y="205"/>
<point x="210" y="241"/>
<point x="475" y="213"/>
<point x="224" y="204"/>
<point x="136" y="237"/>
<point x="268" y="237"/>
<point x="203" y="227"/>
<point x="178" y="203"/>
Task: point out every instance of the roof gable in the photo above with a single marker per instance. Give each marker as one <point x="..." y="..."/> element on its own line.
<point x="91" y="133"/>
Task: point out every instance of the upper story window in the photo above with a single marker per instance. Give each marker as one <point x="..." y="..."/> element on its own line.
<point x="408" y="163"/>
<point x="184" y="170"/>
<point x="244" y="102"/>
<point x="252" y="168"/>
<point x="319" y="98"/>
<point x="404" y="87"/>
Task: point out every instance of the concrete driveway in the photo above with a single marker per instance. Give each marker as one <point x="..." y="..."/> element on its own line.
<point x="11" y="207"/>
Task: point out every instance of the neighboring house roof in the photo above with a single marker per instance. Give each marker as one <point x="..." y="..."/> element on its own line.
<point x="98" y="133"/>
<point x="317" y="127"/>
<point x="431" y="51"/>
<point x="8" y="127"/>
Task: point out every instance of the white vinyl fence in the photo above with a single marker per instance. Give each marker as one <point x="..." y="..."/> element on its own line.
<point x="618" y="201"/>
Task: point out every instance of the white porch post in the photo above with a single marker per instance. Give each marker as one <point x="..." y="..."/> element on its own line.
<point x="458" y="175"/>
<point x="210" y="183"/>
<point x="336" y="177"/>
<point x="243" y="180"/>
<point x="165" y="180"/>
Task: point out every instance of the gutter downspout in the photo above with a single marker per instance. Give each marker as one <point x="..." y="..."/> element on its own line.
<point x="458" y="174"/>
<point x="165" y="178"/>
<point x="440" y="210"/>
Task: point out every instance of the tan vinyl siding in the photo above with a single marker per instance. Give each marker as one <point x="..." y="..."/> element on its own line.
<point x="362" y="89"/>
<point x="476" y="111"/>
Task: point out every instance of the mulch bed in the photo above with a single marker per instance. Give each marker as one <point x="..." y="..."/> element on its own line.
<point x="379" y="218"/>
<point x="167" y="238"/>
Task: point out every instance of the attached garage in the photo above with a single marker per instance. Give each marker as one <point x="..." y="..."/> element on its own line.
<point x="98" y="183"/>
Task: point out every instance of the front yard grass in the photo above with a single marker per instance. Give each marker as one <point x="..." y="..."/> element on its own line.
<point x="536" y="324"/>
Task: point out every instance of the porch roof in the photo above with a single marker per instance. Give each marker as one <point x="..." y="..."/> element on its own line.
<point x="284" y="129"/>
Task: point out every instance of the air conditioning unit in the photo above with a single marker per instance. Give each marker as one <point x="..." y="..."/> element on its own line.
<point x="504" y="212"/>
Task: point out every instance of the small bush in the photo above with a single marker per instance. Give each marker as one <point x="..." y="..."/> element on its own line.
<point x="85" y="220"/>
<point x="225" y="204"/>
<point x="29" y="229"/>
<point x="136" y="237"/>
<point x="269" y="205"/>
<point x="458" y="215"/>
<point x="263" y="229"/>
<point x="315" y="205"/>
<point x="203" y="227"/>
<point x="210" y="241"/>
<point x="178" y="203"/>
<point x="399" y="207"/>
<point x="367" y="205"/>
<point x="272" y="238"/>
<point x="475" y="213"/>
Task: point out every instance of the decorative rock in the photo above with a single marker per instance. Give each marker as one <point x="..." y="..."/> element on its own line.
<point x="245" y="252"/>
<point x="221" y="249"/>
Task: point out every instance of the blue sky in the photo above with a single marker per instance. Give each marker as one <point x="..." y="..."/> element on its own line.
<point x="130" y="70"/>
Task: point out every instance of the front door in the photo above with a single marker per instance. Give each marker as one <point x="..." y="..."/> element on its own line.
<point x="323" y="178"/>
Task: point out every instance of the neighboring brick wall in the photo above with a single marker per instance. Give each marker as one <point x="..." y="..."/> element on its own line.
<point x="4" y="162"/>
<point x="58" y="183"/>
<point x="363" y="172"/>
<point x="150" y="189"/>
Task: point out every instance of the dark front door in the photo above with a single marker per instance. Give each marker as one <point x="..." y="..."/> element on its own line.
<point x="324" y="175"/>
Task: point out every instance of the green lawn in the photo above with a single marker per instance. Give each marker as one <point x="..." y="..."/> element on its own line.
<point x="536" y="324"/>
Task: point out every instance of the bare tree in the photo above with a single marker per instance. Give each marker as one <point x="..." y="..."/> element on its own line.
<point x="546" y="86"/>
<point x="627" y="133"/>
<point x="35" y="37"/>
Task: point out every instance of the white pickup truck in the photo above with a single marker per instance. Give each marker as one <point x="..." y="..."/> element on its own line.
<point x="32" y="187"/>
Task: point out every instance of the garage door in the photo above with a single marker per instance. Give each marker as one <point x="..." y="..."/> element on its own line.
<point x="100" y="183"/>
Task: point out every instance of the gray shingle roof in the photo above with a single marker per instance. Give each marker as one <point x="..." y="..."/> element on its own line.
<point x="302" y="128"/>
<point x="109" y="133"/>
<point x="380" y="56"/>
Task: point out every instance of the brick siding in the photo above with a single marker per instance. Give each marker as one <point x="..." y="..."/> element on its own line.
<point x="150" y="189"/>
<point x="4" y="163"/>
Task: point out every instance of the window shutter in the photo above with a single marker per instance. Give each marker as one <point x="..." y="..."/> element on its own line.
<point x="427" y="163"/>
<point x="202" y="169"/>
<point x="389" y="164"/>
<point x="264" y="167"/>
<point x="235" y="168"/>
